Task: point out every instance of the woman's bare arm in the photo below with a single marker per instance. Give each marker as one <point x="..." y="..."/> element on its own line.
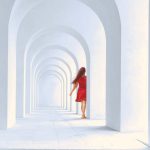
<point x="74" y="87"/>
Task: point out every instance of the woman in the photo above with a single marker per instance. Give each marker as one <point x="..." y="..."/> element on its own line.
<point x="81" y="94"/>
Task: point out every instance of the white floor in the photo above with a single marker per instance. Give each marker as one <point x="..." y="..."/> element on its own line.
<point x="55" y="128"/>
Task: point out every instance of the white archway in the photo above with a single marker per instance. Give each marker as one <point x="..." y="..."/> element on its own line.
<point x="109" y="59"/>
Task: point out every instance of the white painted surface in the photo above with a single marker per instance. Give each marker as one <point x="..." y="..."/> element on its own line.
<point x="134" y="60"/>
<point x="7" y="94"/>
<point x="56" y="128"/>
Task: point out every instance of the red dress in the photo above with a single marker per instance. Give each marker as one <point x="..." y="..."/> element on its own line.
<point x="81" y="94"/>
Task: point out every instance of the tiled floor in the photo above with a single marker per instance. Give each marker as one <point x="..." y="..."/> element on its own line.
<point x="54" y="128"/>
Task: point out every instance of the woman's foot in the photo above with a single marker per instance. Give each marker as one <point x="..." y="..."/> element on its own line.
<point x="83" y="117"/>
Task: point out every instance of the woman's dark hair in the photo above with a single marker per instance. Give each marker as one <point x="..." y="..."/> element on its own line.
<point x="80" y="73"/>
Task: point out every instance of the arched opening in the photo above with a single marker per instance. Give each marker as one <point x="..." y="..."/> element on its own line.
<point x="90" y="64"/>
<point x="49" y="91"/>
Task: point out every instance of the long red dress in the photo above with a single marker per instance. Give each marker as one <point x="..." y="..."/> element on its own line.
<point x="81" y="94"/>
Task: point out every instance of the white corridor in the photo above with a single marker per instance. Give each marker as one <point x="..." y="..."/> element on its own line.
<point x="56" y="128"/>
<point x="43" y="45"/>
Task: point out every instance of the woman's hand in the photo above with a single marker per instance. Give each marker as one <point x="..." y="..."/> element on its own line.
<point x="70" y="94"/>
<point x="74" y="87"/>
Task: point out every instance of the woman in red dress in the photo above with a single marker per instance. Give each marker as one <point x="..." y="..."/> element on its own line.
<point x="81" y="94"/>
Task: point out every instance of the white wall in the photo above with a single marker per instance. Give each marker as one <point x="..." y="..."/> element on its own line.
<point x="107" y="12"/>
<point x="134" y="64"/>
<point x="7" y="94"/>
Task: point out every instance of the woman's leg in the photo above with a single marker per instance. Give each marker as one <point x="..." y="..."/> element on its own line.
<point x="83" y="108"/>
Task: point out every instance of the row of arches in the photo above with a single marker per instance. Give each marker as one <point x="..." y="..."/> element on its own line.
<point x="55" y="38"/>
<point x="70" y="33"/>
